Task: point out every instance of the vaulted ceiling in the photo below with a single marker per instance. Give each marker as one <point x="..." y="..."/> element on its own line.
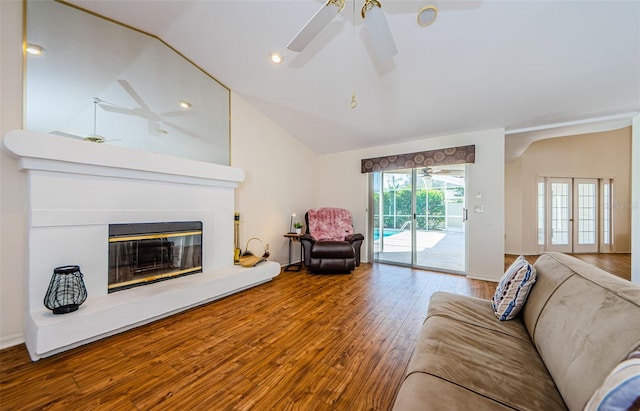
<point x="517" y="65"/>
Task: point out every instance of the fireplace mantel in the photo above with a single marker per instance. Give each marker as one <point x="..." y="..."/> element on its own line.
<point x="76" y="189"/>
<point x="38" y="151"/>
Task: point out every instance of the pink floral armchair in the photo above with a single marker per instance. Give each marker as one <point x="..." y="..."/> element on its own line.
<point x="329" y="244"/>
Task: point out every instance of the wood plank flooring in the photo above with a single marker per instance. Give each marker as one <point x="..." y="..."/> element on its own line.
<point x="616" y="264"/>
<point x="299" y="342"/>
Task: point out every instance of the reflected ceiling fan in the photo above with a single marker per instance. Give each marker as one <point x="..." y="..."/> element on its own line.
<point x="375" y="23"/>
<point x="155" y="120"/>
<point x="91" y="138"/>
<point x="430" y="172"/>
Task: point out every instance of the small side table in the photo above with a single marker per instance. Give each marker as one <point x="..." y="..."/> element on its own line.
<point x="293" y="237"/>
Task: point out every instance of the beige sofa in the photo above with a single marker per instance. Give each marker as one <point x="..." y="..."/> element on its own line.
<point x="578" y="323"/>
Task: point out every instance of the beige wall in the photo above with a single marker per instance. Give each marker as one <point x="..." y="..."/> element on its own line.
<point x="281" y="176"/>
<point x="596" y="155"/>
<point x="13" y="238"/>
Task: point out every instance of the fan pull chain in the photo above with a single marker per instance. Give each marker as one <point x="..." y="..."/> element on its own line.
<point x="95" y="106"/>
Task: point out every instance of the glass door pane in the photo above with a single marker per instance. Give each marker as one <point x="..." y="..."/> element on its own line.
<point x="440" y="234"/>
<point x="560" y="218"/>
<point x="393" y="217"/>
<point x="586" y="234"/>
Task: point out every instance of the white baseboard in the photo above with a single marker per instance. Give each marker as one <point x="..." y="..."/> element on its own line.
<point x="11" y="340"/>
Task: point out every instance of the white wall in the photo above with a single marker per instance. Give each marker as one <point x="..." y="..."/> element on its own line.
<point x="281" y="178"/>
<point x="341" y="184"/>
<point x="13" y="227"/>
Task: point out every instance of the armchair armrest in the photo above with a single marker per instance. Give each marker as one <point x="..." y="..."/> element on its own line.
<point x="354" y="237"/>
<point x="306" y="241"/>
<point x="307" y="237"/>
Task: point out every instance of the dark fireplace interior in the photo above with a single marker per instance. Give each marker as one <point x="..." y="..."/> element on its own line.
<point x="144" y="253"/>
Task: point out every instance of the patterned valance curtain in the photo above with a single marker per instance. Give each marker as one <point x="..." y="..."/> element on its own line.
<point x="441" y="157"/>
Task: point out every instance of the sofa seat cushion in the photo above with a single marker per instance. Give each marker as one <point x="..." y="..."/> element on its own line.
<point x="463" y="344"/>
<point x="420" y="392"/>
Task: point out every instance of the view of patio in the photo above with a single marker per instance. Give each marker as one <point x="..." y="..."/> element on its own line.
<point x="439" y="241"/>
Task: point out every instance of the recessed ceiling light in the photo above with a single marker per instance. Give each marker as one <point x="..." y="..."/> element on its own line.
<point x="34" y="49"/>
<point x="427" y="15"/>
<point x="185" y="104"/>
<point x="276" y="57"/>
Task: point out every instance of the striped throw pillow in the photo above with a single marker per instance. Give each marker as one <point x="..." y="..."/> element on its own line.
<point x="513" y="289"/>
<point x="621" y="389"/>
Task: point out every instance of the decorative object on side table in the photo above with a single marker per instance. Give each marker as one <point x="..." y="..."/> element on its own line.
<point x="66" y="290"/>
<point x="291" y="224"/>
<point x="298" y="227"/>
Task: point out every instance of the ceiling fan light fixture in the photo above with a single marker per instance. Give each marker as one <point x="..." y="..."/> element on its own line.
<point x="427" y="15"/>
<point x="34" y="49"/>
<point x="276" y="57"/>
<point x="314" y="26"/>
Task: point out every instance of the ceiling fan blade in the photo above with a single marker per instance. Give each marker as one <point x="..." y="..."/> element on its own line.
<point x="315" y="25"/>
<point x="378" y="31"/>
<point x="134" y="94"/>
<point x="181" y="129"/>
<point x="116" y="109"/>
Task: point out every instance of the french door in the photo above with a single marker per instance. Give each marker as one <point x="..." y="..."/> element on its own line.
<point x="574" y="214"/>
<point x="417" y="217"/>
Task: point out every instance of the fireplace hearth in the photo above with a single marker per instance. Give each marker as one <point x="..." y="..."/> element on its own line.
<point x="77" y="190"/>
<point x="141" y="254"/>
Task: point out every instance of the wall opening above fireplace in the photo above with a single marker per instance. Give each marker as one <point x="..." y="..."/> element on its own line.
<point x="145" y="253"/>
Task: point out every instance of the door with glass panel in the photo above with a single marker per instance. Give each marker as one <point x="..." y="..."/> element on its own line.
<point x="418" y="217"/>
<point x="569" y="215"/>
<point x="560" y="228"/>
<point x="585" y="229"/>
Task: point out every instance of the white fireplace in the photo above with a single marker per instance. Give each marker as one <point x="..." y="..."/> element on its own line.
<point x="76" y="189"/>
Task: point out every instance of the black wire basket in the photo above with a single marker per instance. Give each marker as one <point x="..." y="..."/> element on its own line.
<point x="66" y="290"/>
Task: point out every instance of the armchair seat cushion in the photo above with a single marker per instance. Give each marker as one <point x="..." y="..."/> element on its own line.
<point x="332" y="249"/>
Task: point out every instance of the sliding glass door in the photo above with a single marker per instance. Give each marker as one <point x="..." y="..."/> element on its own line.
<point x="418" y="219"/>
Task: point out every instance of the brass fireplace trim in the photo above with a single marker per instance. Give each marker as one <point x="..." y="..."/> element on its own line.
<point x="154" y="236"/>
<point x="155" y="277"/>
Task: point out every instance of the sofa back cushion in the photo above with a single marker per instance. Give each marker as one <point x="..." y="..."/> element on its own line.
<point x="329" y="223"/>
<point x="583" y="321"/>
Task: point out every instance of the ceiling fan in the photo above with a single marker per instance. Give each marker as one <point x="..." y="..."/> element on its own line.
<point x="155" y="120"/>
<point x="91" y="138"/>
<point x="375" y="23"/>
<point x="429" y="172"/>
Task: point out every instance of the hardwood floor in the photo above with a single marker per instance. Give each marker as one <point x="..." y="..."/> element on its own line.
<point x="616" y="264"/>
<point x="299" y="342"/>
